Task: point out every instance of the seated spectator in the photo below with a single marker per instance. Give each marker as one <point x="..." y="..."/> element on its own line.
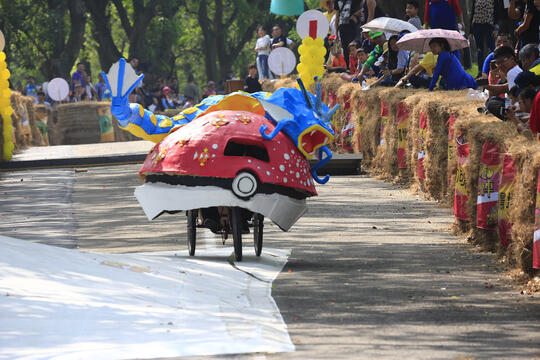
<point x="379" y="39"/>
<point x="155" y="105"/>
<point x="353" y="60"/>
<point x="501" y="40"/>
<point x="189" y="102"/>
<point x="280" y="40"/>
<point x="508" y="67"/>
<point x="420" y="75"/>
<point x="362" y="57"/>
<point x="527" y="80"/>
<point x="41" y="99"/>
<point x="449" y="67"/>
<point x="411" y="10"/>
<point x="397" y="62"/>
<point x="338" y="61"/>
<point x="31" y="89"/>
<point x="252" y="80"/>
<point x="529" y="58"/>
<point x="78" y="76"/>
<point x="165" y="99"/>
<point x="534" y="118"/>
<point x="210" y="89"/>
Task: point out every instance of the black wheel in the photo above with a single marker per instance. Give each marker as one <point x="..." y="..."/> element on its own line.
<point x="258" y="225"/>
<point x="192" y="230"/>
<point x="236" y="220"/>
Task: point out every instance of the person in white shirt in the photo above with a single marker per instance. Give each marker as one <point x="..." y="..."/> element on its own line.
<point x="506" y="63"/>
<point x="262" y="48"/>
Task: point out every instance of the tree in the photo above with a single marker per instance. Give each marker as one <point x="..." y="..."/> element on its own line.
<point x="44" y="34"/>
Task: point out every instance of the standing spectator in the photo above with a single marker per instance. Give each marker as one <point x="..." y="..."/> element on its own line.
<point x="262" y="48"/>
<point x="78" y="76"/>
<point x="191" y="90"/>
<point x="527" y="32"/>
<point x="348" y="17"/>
<point x="412" y="13"/>
<point x="441" y="14"/>
<point x="210" y="89"/>
<point x="252" y="81"/>
<point x="278" y="39"/>
<point x="330" y="14"/>
<point x="89" y="88"/>
<point x="449" y="67"/>
<point x="165" y="101"/>
<point x="370" y="11"/>
<point x="100" y="87"/>
<point x="483" y="20"/>
<point x="529" y="57"/>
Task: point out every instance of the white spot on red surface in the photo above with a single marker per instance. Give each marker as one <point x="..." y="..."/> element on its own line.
<point x="215" y="146"/>
<point x="286" y="156"/>
<point x="284" y="180"/>
<point x="297" y="175"/>
<point x="268" y="173"/>
<point x="282" y="167"/>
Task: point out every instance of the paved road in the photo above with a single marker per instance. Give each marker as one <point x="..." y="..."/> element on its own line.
<point x="374" y="272"/>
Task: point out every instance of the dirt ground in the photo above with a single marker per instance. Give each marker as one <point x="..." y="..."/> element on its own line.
<point x="374" y="271"/>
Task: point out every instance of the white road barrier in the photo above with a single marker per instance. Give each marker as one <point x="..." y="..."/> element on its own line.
<point x="62" y="303"/>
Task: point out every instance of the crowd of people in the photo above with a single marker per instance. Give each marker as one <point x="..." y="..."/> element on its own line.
<point x="505" y="34"/>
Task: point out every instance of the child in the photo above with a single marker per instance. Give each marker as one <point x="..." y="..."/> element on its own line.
<point x="449" y="67"/>
<point x="353" y="60"/>
<point x="338" y="61"/>
<point x="252" y="81"/>
<point x="412" y="12"/>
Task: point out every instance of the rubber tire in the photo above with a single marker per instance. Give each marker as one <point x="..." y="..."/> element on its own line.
<point x="236" y="220"/>
<point x="258" y="225"/>
<point x="192" y="231"/>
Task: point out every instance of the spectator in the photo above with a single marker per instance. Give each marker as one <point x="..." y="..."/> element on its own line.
<point x="412" y="13"/>
<point x="165" y="101"/>
<point x="41" y="99"/>
<point x="78" y="93"/>
<point x="527" y="32"/>
<point x="134" y="62"/>
<point x="529" y="58"/>
<point x="501" y="40"/>
<point x="338" y="61"/>
<point x="100" y="87"/>
<point x="278" y="39"/>
<point x="210" y="89"/>
<point x="378" y="39"/>
<point x="189" y="102"/>
<point x="483" y="20"/>
<point x="441" y="14"/>
<point x="449" y="67"/>
<point x="348" y="17"/>
<point x="370" y="11"/>
<point x="191" y="90"/>
<point x="262" y="48"/>
<point x="252" y="81"/>
<point x="420" y="75"/>
<point x="329" y="44"/>
<point x="154" y="106"/>
<point x="534" y="119"/>
<point x="31" y="89"/>
<point x="353" y="59"/>
<point x="78" y="76"/>
<point x="397" y="62"/>
<point x="330" y="13"/>
<point x="89" y="88"/>
<point x="508" y="67"/>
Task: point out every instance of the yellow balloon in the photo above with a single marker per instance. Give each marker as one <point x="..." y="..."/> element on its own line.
<point x="2" y="56"/>
<point x="8" y="148"/>
<point x="319" y="42"/>
<point x="6" y="93"/>
<point x="301" y="49"/>
<point x="301" y="67"/>
<point x="5" y="74"/>
<point x="4" y="102"/>
<point x="308" y="41"/>
<point x="6" y="112"/>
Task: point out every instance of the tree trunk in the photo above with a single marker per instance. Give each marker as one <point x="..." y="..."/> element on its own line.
<point x="209" y="42"/>
<point x="108" y="52"/>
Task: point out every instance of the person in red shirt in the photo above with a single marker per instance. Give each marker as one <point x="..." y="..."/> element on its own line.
<point x="441" y="14"/>
<point x="353" y="59"/>
<point x="534" y="119"/>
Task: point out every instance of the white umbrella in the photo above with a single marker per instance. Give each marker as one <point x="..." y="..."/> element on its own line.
<point x="389" y="25"/>
<point x="419" y="41"/>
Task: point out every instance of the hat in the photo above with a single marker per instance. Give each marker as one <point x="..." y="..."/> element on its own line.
<point x="332" y="37"/>
<point x="373" y="34"/>
<point x="166" y="89"/>
<point x="352" y="43"/>
<point x="385" y="48"/>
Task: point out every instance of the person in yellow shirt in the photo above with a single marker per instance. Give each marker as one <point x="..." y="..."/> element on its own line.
<point x="420" y="75"/>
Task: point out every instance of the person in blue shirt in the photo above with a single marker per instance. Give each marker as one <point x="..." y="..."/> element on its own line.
<point x="501" y="40"/>
<point x="449" y="67"/>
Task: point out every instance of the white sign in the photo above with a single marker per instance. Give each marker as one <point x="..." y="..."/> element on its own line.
<point x="281" y="61"/>
<point x="58" y="89"/>
<point x="312" y="21"/>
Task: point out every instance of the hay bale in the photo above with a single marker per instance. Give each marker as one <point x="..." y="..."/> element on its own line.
<point x="268" y="85"/>
<point x="77" y="123"/>
<point x="287" y="82"/>
<point x="21" y="121"/>
<point x="371" y="126"/>
<point x="527" y="155"/>
<point x="332" y="82"/>
<point x="36" y="137"/>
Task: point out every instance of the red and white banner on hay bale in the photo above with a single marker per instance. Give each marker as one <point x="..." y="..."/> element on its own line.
<point x="536" y="239"/>
<point x="420" y="170"/>
<point x="506" y="190"/>
<point x="461" y="195"/>
<point x="385" y="113"/>
<point x="489" y="178"/>
<point x="451" y="146"/>
<point x="402" y="123"/>
<point x="347" y="132"/>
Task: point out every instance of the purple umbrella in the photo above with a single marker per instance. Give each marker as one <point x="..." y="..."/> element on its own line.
<point x="419" y="40"/>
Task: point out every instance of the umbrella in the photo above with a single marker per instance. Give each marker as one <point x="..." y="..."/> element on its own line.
<point x="419" y="40"/>
<point x="388" y="25"/>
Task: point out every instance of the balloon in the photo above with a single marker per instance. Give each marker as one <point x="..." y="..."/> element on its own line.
<point x="2" y="56"/>
<point x="5" y="74"/>
<point x="6" y="93"/>
<point x="319" y="42"/>
<point x="301" y="49"/>
<point x="308" y="41"/>
<point x="322" y="51"/>
<point x="301" y="68"/>
<point x="4" y="102"/>
<point x="7" y="111"/>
